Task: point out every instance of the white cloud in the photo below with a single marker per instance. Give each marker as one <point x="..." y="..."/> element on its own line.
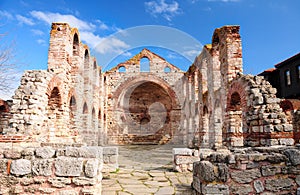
<point x="102" y="25"/>
<point x="37" y="32"/>
<point x="5" y="14"/>
<point x="90" y="38"/>
<point x="111" y="45"/>
<point x="191" y="52"/>
<point x="49" y="17"/>
<point x="160" y="7"/>
<point x="172" y="55"/>
<point x="41" y="41"/>
<point x="102" y="45"/>
<point x="24" y="20"/>
<point x="127" y="54"/>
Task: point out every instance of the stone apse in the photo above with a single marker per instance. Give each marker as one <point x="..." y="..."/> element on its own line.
<point x="146" y="100"/>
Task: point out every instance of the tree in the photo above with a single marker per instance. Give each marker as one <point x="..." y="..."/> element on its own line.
<point x="8" y="67"/>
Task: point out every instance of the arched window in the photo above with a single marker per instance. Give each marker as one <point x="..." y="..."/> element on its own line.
<point x="94" y="120"/>
<point x="54" y="99"/>
<point x="145" y="65"/>
<point x="167" y="69"/>
<point x="287" y="76"/>
<point x="72" y="104"/>
<point x="99" y="114"/>
<point x="122" y="69"/>
<point x="75" y="45"/>
<point x="95" y="65"/>
<point x="85" y="109"/>
<point x="298" y="72"/>
<point x="53" y="112"/>
<point x="86" y="59"/>
<point x="235" y="101"/>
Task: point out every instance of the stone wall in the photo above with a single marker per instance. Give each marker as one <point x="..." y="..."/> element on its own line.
<point x="110" y="158"/>
<point x="62" y="103"/>
<point x="142" y="102"/>
<point x="147" y="100"/>
<point x="262" y="170"/>
<point x="183" y="159"/>
<point x="254" y="116"/>
<point x="49" y="170"/>
<point x="5" y="114"/>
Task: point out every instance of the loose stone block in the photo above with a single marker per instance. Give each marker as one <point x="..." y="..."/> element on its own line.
<point x="3" y="165"/>
<point x="182" y="151"/>
<point x="20" y="167"/>
<point x="293" y="155"/>
<point x="85" y="152"/>
<point x="45" y="152"/>
<point x="270" y="170"/>
<point x="280" y="184"/>
<point x="241" y="189"/>
<point x="215" y="189"/>
<point x="42" y="167"/>
<point x="26" y="181"/>
<point x="298" y="180"/>
<point x="68" y="192"/>
<point x="59" y="182"/>
<point x="245" y="176"/>
<point x="91" y="167"/>
<point x="46" y="190"/>
<point x="12" y="154"/>
<point x="110" y="150"/>
<point x="205" y="170"/>
<point x="67" y="166"/>
<point x="223" y="172"/>
<point x="82" y="181"/>
<point x="185" y="159"/>
<point x="286" y="141"/>
<point x="258" y="186"/>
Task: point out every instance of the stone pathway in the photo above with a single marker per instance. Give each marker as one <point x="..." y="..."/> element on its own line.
<point x="146" y="170"/>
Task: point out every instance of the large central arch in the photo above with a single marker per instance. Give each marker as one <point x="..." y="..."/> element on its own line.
<point x="146" y="111"/>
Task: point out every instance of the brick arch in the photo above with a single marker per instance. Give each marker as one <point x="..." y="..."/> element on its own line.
<point x="75" y="31"/>
<point x="54" y="82"/>
<point x="72" y="93"/>
<point x="216" y="37"/>
<point x="75" y="41"/>
<point x="133" y="122"/>
<point x="240" y="88"/>
<point x="236" y="128"/>
<point x="85" y="108"/>
<point x="4" y="106"/>
<point x="139" y="79"/>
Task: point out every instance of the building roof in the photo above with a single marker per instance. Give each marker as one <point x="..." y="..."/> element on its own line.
<point x="288" y="60"/>
<point x="270" y="70"/>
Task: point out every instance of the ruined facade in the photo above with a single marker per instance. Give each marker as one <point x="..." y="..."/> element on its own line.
<point x="147" y="100"/>
<point x="53" y="128"/>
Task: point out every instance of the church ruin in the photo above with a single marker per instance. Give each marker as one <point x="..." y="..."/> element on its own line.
<point x="212" y="105"/>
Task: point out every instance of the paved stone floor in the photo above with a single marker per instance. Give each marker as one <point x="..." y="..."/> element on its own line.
<point x="146" y="170"/>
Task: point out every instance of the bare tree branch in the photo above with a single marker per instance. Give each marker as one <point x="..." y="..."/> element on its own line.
<point x="8" y="66"/>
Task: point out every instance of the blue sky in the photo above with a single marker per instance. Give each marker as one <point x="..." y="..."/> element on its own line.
<point x="269" y="28"/>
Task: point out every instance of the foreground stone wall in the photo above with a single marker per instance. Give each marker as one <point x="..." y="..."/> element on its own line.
<point x="48" y="170"/>
<point x="249" y="171"/>
<point x="183" y="159"/>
